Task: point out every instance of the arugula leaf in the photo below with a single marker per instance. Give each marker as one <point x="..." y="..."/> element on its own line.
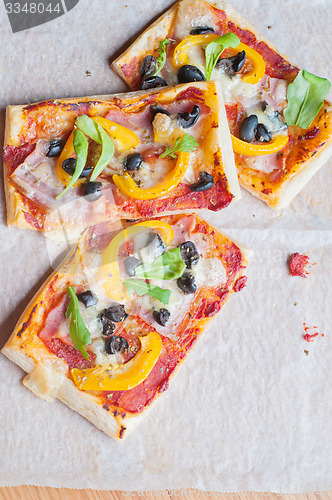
<point x="161" y="59"/>
<point x="215" y="48"/>
<point x="81" y="146"/>
<point x="305" y="97"/>
<point x="79" y="333"/>
<point x="168" y="266"/>
<point x="97" y="133"/>
<point x="186" y="143"/>
<point x="143" y="288"/>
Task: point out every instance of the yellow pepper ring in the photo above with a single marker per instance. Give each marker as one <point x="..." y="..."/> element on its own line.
<point x="128" y="186"/>
<point x="109" y="273"/>
<point x="181" y="55"/>
<point x="248" y="149"/>
<point x="126" y="138"/>
<point x="126" y="376"/>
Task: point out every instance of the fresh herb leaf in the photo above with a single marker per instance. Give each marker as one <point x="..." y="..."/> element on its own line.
<point x="186" y="143"/>
<point x="305" y="97"/>
<point x="161" y="59"/>
<point x="81" y="146"/>
<point x="79" y="333"/>
<point x="215" y="48"/>
<point x="97" y="133"/>
<point x="168" y="266"/>
<point x="143" y="288"/>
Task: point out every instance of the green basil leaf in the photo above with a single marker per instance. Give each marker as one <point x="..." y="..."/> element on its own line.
<point x="79" y="333"/>
<point x="81" y="147"/>
<point x="161" y="59"/>
<point x="97" y="133"/>
<point x="215" y="48"/>
<point x="168" y="266"/>
<point x="186" y="144"/>
<point x="143" y="288"/>
<point x="305" y="97"/>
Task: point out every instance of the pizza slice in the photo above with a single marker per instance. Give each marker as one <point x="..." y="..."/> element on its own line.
<point x="114" y="322"/>
<point x="73" y="163"/>
<point x="278" y="116"/>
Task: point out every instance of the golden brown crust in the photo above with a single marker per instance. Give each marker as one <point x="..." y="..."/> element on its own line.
<point x="277" y="194"/>
<point x="48" y="375"/>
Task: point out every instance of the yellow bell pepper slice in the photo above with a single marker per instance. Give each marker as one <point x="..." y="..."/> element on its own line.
<point x="121" y="377"/>
<point x="126" y="140"/>
<point x="128" y="186"/>
<point x="181" y="55"/>
<point x="248" y="149"/>
<point x="109" y="273"/>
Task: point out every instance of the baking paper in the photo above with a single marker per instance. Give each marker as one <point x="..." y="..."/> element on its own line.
<point x="250" y="409"/>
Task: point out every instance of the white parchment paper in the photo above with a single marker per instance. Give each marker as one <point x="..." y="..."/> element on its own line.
<point x="249" y="410"/>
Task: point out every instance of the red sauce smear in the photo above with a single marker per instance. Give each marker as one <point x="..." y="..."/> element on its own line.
<point x="309" y="337"/>
<point x="240" y="284"/>
<point x="311" y="134"/>
<point x="297" y="263"/>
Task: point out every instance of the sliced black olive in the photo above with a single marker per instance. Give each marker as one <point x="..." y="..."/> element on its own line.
<point x="130" y="263"/>
<point x="262" y="133"/>
<point x="248" y="128"/>
<point x="161" y="316"/>
<point x="187" y="120"/>
<point x="92" y="191"/>
<point x="189" y="73"/>
<point x="264" y="105"/>
<point x="200" y="30"/>
<point x="205" y="182"/>
<point x="87" y="298"/>
<point x="158" y="109"/>
<point x="55" y="148"/>
<point x="231" y="65"/>
<point x="148" y="66"/>
<point x="151" y="82"/>
<point x="69" y="166"/>
<point x="155" y="240"/>
<point x="187" y="283"/>
<point x="116" y="344"/>
<point x="133" y="162"/>
<point x="116" y="313"/>
<point x="108" y="326"/>
<point x="189" y="254"/>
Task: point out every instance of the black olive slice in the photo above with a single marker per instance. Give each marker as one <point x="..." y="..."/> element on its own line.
<point x="158" y="109"/>
<point x="69" y="166"/>
<point x="189" y="73"/>
<point x="187" y="283"/>
<point x="92" y="191"/>
<point x="187" y="120"/>
<point x="151" y="82"/>
<point x="133" y="162"/>
<point x="161" y="316"/>
<point x="108" y="326"/>
<point x="201" y="30"/>
<point x="116" y="313"/>
<point x="116" y="344"/>
<point x="189" y="254"/>
<point x="55" y="148"/>
<point x="148" y="66"/>
<point x="232" y="65"/>
<point x="205" y="182"/>
<point x="130" y="263"/>
<point x="248" y="128"/>
<point x="87" y="298"/>
<point x="262" y="133"/>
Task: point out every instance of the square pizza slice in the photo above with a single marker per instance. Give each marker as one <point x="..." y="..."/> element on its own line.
<point x="279" y="119"/>
<point x="73" y="163"/>
<point x="115" y="321"/>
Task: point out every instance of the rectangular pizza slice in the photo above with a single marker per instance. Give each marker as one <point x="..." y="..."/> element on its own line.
<point x="279" y="119"/>
<point x="73" y="163"/>
<point x="114" y="322"/>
